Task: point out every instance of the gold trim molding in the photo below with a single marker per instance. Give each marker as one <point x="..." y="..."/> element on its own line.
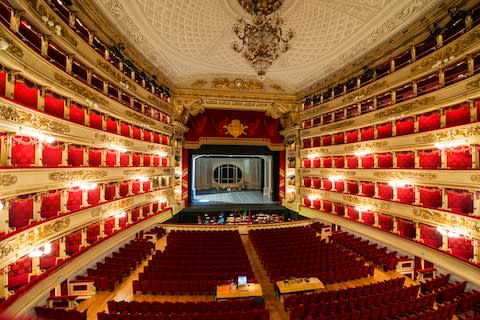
<point x="365" y="91"/>
<point x="7" y="180"/>
<point x="12" y="48"/>
<point x="139" y="117"/>
<point x="113" y="140"/>
<point x="404" y="107"/>
<point x="76" y="175"/>
<point x="448" y="220"/>
<point x="451" y="134"/>
<point x="70" y="84"/>
<point x="107" y="67"/>
<point x="405" y="175"/>
<point x="35" y="121"/>
<point x="366" y="201"/>
<point x="368" y="145"/>
<point x="140" y="172"/>
<point x="338" y="125"/>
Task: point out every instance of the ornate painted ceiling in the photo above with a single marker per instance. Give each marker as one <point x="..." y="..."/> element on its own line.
<point x="190" y="41"/>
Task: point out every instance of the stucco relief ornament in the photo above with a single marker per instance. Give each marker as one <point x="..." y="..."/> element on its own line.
<point x="235" y="128"/>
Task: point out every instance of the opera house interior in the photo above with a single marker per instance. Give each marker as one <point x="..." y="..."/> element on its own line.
<point x="240" y="159"/>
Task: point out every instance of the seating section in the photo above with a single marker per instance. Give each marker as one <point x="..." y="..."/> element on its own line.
<point x="433" y="284"/>
<point x="297" y="252"/>
<point x="195" y="262"/>
<point x="47" y="313"/>
<point x="119" y="265"/>
<point x="241" y="309"/>
<point x="368" y="250"/>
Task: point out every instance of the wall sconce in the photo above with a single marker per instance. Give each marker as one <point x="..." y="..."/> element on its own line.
<point x="363" y="208"/>
<point x="313" y="197"/>
<point x="399" y="183"/>
<point x="335" y="178"/>
<point x="84" y="185"/>
<point x="35" y="134"/>
<point x="362" y="152"/>
<point x="124" y="85"/>
<point x="313" y="156"/>
<point x="41" y="251"/>
<point x="4" y="44"/>
<point x="443" y="62"/>
<point x="91" y="103"/>
<point x="161" y="154"/>
<point x="451" y="144"/>
<point x="141" y="178"/>
<point x="120" y="215"/>
<point x="117" y="148"/>
<point x="52" y="25"/>
<point x="453" y="233"/>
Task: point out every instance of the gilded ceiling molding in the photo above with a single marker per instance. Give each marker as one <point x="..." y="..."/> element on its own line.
<point x="43" y="11"/>
<point x="79" y="89"/>
<point x="382" y="205"/>
<point x="139" y="172"/>
<point x="405" y="107"/>
<point x="77" y="175"/>
<point x="365" y="92"/>
<point x="237" y="84"/>
<point x="450" y="134"/>
<point x="199" y="83"/>
<point x="287" y="114"/>
<point x="185" y="108"/>
<point x="12" y="48"/>
<point x="7" y="180"/>
<point x="366" y="145"/>
<point x="113" y="140"/>
<point x="449" y="51"/>
<point x="138" y="117"/>
<point x="108" y="68"/>
<point x="450" y="220"/>
<point x="338" y="125"/>
<point x="405" y="175"/>
<point x="32" y="237"/>
<point x="20" y="117"/>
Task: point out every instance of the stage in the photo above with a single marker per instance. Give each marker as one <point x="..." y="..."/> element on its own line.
<point x="231" y="197"/>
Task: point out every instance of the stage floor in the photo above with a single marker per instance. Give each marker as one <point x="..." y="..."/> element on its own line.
<point x="236" y="197"/>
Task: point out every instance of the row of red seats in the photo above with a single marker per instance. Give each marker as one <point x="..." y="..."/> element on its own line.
<point x="449" y="291"/>
<point x="255" y="314"/>
<point x="343" y="310"/>
<point x="350" y="293"/>
<point x="178" y="285"/>
<point x="429" y="285"/>
<point x="189" y="307"/>
<point x="468" y="301"/>
<point x="160" y="274"/>
<point x="443" y="312"/>
<point x="47" y="313"/>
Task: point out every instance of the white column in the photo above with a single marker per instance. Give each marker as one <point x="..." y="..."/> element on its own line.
<point x="102" y="192"/>
<point x="4" y="215"/>
<point x="37" y="207"/>
<point x="63" y="200"/>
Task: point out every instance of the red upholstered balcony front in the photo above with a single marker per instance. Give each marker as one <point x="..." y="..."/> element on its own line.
<point x="385" y="191"/>
<point x="384" y="130"/>
<point x="52" y="155"/>
<point x="327" y="184"/>
<point x="327" y="205"/>
<point x="76" y="114"/>
<point x="460" y="201"/>
<point x="352" y="136"/>
<point x="307" y="182"/>
<point x="338" y="209"/>
<point x="95" y="120"/>
<point x="54" y="106"/>
<point x="316" y="142"/>
<point x="74" y="201"/>
<point x="316" y="204"/>
<point x="307" y="202"/>
<point x="326" y="140"/>
<point x="110" y="192"/>
<point x="307" y="163"/>
<point x="457" y="115"/>
<point x="50" y="204"/>
<point x="339" y="185"/>
<point x="430" y="159"/>
<point x="352" y="162"/>
<point x="459" y="158"/>
<point x="367" y="188"/>
<point x="339" y="138"/>
<point x="405" y="160"/>
<point x="75" y="156"/>
<point x="111" y="158"/>
<point x="339" y="162"/>
<point x="93" y="196"/>
<point x="367" y="133"/>
<point x="26" y="94"/>
<point x="327" y="162"/>
<point x="94" y="157"/>
<point x="307" y="143"/>
<point x="23" y="151"/>
<point x="21" y="212"/>
<point x="385" y="160"/>
<point x="19" y="272"/>
<point x="429" y="121"/>
<point x="352" y="187"/>
<point x="316" y="162"/>
<point x="406" y="194"/>
<point x="430" y="197"/>
<point x="430" y="236"/>
<point x="367" y="161"/>
<point x="352" y="214"/>
<point x="368" y="218"/>
<point x="405" y="126"/>
<point x="317" y="182"/>
<point x="111" y="125"/>
<point x="385" y="222"/>
<point x="406" y="228"/>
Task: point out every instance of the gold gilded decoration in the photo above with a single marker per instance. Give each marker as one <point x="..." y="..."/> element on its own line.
<point x="108" y="68"/>
<point x="276" y="87"/>
<point x="367" y="145"/>
<point x="76" y="175"/>
<point x="7" y="180"/>
<point x="12" y="48"/>
<point x="365" y="92"/>
<point x="32" y="236"/>
<point x="338" y="173"/>
<point x="405" y="175"/>
<point x="235" y="128"/>
<point x="32" y="120"/>
<point x="365" y="201"/>
<point x="79" y="89"/>
<point x="63" y="31"/>
<point x="449" y="220"/>
<point x="113" y="140"/>
<point x="475" y="178"/>
<point x="312" y="112"/>
<point x="239" y="84"/>
<point x="449" y="135"/>
<point x="473" y="84"/>
<point x="199" y="83"/>
<point x="139" y="172"/>
<point x="338" y="125"/>
<point x="404" y="107"/>
<point x="139" y="117"/>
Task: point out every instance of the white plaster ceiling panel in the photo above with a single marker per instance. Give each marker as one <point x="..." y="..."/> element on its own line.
<point x="192" y="39"/>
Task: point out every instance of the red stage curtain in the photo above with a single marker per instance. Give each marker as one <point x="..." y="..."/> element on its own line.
<point x="125" y="129"/>
<point x="146" y="160"/>
<point x="430" y="236"/>
<point x="460" y="201"/>
<point x="338" y="209"/>
<point x="74" y="199"/>
<point x="405" y="160"/>
<point x="406" y="228"/>
<point x="25" y="95"/>
<point x="339" y="138"/>
<point x="123" y="189"/>
<point x="307" y="162"/>
<point x="367" y="133"/>
<point x="77" y="114"/>
<point x="316" y="142"/>
<point x="429" y="121"/>
<point x="385" y="160"/>
<point x="307" y="182"/>
<point x="352" y="136"/>
<point x="327" y="162"/>
<point x="352" y="187"/>
<point x="339" y="162"/>
<point x="50" y="204"/>
<point x="367" y="161"/>
<point x="306" y="202"/>
<point x="93" y="196"/>
<point x="136" y="187"/>
<point x="20" y="212"/>
<point x="136" y="159"/>
<point x="457" y="115"/>
<point x="111" y="158"/>
<point x="385" y="191"/>
<point x="352" y="214"/>
<point x="93" y="231"/>
<point x="384" y="130"/>
<point x="95" y="120"/>
<point x="339" y="186"/>
<point x="124" y="159"/>
<point x="406" y="194"/>
<point x="368" y="188"/>
<point x="111" y="125"/>
<point x="352" y="162"/>
<point x="52" y="155"/>
<point x="94" y="157"/>
<point x="147" y="135"/>
<point x="327" y="184"/>
<point x="430" y="197"/>
<point x="459" y="158"/>
<point x="54" y="106"/>
<point x="385" y="222"/>
<point x="429" y="159"/>
<point x="327" y="205"/>
<point x="23" y="151"/>
<point x="316" y="163"/>
<point x="317" y="182"/>
<point x="326" y="140"/>
<point x="75" y="156"/>
<point x="110" y="192"/>
<point x="368" y="218"/>
<point x="405" y="126"/>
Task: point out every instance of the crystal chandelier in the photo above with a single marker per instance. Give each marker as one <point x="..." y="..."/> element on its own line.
<point x="262" y="41"/>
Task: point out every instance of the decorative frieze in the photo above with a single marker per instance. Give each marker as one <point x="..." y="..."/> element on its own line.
<point x="405" y="175"/>
<point x="79" y="89"/>
<point x="449" y="135"/>
<point x="113" y="140"/>
<point x="77" y="175"/>
<point x="337" y="125"/>
<point x="12" y="48"/>
<point x="139" y="172"/>
<point x="7" y="180"/>
<point x="450" y="220"/>
<point x="139" y="117"/>
<point x="381" y="205"/>
<point x="365" y="92"/>
<point x="404" y="107"/>
<point x="24" y="118"/>
<point x="366" y="145"/>
<point x="113" y="72"/>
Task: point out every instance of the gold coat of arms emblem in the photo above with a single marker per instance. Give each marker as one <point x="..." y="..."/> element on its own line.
<point x="235" y="128"/>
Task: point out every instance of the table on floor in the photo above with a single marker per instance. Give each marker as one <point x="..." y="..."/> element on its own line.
<point x="228" y="291"/>
<point x="298" y="285"/>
